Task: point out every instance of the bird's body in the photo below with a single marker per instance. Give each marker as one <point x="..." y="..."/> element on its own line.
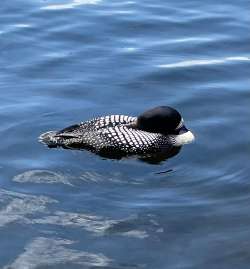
<point x="122" y="134"/>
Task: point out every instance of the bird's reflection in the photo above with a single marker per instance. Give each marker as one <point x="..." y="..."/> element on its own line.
<point x="113" y="153"/>
<point x="157" y="158"/>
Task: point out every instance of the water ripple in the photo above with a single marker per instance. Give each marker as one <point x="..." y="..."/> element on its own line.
<point x="70" y="5"/>
<point x="139" y="227"/>
<point x="189" y="63"/>
<point x="95" y="224"/>
<point x="42" y="251"/>
<point x="16" y="206"/>
<point x="41" y="176"/>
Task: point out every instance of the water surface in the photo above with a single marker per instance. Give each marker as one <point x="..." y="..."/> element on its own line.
<point x="66" y="61"/>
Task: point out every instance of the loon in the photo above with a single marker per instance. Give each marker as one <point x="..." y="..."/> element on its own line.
<point x="154" y="131"/>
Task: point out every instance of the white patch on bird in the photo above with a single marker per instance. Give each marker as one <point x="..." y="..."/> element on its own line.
<point x="180" y="124"/>
<point x="117" y="118"/>
<point x="138" y="138"/>
<point x="127" y="137"/>
<point x="184" y="138"/>
<point x="145" y="138"/>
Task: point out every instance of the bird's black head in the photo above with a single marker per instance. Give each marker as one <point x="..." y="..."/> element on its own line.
<point x="161" y="119"/>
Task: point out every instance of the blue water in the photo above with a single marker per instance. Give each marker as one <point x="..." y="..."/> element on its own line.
<point x="65" y="61"/>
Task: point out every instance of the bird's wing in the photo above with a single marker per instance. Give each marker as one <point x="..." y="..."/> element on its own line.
<point x="107" y="121"/>
<point x="130" y="140"/>
<point x="95" y="124"/>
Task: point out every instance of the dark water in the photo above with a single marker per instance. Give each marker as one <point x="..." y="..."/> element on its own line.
<point x="66" y="61"/>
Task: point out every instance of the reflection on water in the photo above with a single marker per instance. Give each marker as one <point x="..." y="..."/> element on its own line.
<point x="70" y="4"/>
<point x="91" y="223"/>
<point x="23" y="209"/>
<point x="206" y="62"/>
<point x="151" y="158"/>
<point x="16" y="207"/>
<point x="41" y="176"/>
<point x="159" y="158"/>
<point x="136" y="226"/>
<point x="50" y="252"/>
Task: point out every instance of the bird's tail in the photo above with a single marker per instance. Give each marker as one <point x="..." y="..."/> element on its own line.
<point x="55" y="139"/>
<point x="50" y="139"/>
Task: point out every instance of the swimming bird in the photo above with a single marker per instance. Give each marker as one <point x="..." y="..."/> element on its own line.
<point x="155" y="131"/>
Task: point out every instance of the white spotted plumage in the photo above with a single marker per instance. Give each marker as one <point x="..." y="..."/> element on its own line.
<point x="114" y="132"/>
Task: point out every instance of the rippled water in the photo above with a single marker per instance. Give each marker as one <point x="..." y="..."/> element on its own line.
<point x="65" y="61"/>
